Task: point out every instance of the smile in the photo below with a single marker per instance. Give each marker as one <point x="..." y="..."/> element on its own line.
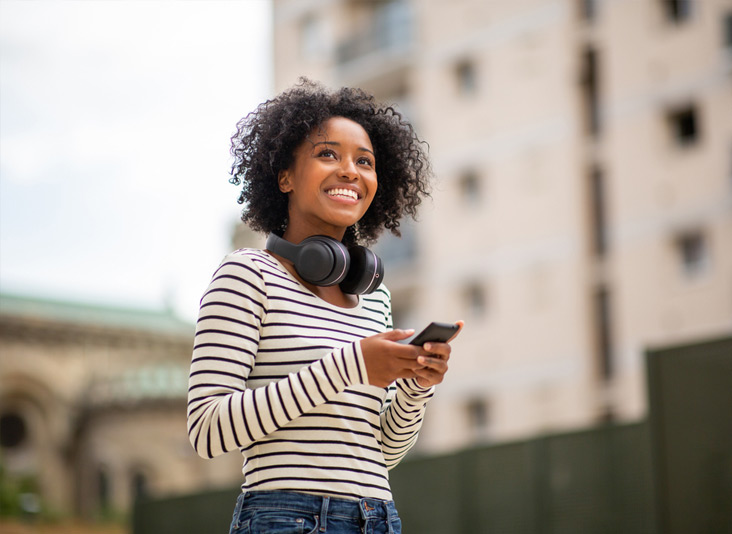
<point x="342" y="192"/>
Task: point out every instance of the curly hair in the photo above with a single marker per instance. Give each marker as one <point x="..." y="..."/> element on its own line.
<point x="266" y="139"/>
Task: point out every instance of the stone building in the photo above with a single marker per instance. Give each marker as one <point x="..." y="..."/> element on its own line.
<point x="583" y="209"/>
<point x="93" y="403"/>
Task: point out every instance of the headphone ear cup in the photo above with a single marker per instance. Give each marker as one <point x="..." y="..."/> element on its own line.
<point x="322" y="261"/>
<point x="366" y="272"/>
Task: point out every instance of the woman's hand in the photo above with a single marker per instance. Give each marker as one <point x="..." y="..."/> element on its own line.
<point x="386" y="359"/>
<point x="433" y="358"/>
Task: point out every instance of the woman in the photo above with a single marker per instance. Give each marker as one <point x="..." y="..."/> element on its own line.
<point x="305" y="377"/>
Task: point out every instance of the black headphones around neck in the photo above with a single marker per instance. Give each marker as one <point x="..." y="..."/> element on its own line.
<point x="324" y="261"/>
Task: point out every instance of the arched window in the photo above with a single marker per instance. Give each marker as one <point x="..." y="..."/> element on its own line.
<point x="13" y="430"/>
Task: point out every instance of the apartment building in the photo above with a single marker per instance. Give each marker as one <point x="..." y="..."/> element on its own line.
<point x="582" y="209"/>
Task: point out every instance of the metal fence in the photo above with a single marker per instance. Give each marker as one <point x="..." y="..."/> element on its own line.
<point x="690" y="392"/>
<point x="595" y="481"/>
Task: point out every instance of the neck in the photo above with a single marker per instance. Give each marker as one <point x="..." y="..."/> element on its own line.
<point x="295" y="236"/>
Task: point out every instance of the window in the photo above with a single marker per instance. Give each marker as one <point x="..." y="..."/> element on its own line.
<point x="590" y="91"/>
<point x="311" y="37"/>
<point x="603" y="332"/>
<point x="379" y="27"/>
<point x="693" y="252"/>
<point x="597" y="212"/>
<point x="398" y="251"/>
<point x="677" y="11"/>
<point x="466" y="77"/>
<point x="588" y="10"/>
<point x="478" y="414"/>
<point x="475" y="300"/>
<point x="140" y="486"/>
<point x="13" y="431"/>
<point x="684" y="125"/>
<point x="470" y="188"/>
<point x="103" y="489"/>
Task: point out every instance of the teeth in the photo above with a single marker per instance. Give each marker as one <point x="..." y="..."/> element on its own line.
<point x="343" y="193"/>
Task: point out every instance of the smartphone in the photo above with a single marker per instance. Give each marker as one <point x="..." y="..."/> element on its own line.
<point x="440" y="332"/>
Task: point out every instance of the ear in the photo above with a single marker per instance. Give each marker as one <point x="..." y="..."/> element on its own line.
<point x="283" y="180"/>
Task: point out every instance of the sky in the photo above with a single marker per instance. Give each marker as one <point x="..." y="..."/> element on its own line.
<point x="115" y="120"/>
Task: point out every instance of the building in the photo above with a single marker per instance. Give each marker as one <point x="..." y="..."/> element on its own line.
<point x="93" y="406"/>
<point x="583" y="211"/>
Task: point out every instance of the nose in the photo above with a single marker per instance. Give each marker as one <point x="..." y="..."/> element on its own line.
<point x="348" y="169"/>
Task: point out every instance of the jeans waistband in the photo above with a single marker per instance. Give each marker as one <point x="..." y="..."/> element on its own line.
<point x="365" y="508"/>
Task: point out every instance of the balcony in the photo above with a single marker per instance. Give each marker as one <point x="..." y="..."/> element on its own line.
<point x="382" y="48"/>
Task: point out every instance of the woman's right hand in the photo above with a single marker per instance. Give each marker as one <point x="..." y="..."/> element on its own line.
<point x="386" y="359"/>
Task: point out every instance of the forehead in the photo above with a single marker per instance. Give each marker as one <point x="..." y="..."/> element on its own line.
<point x="341" y="130"/>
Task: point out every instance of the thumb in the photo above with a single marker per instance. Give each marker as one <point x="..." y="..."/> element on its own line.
<point x="398" y="334"/>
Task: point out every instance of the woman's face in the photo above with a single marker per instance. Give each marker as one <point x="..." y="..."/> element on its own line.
<point x="331" y="181"/>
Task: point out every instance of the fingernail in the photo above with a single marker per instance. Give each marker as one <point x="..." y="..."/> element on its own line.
<point x="428" y="346"/>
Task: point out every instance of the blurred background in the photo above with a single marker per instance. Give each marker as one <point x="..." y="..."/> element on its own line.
<point x="580" y="223"/>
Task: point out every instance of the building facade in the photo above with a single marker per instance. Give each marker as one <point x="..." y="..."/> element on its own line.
<point x="93" y="407"/>
<point x="582" y="209"/>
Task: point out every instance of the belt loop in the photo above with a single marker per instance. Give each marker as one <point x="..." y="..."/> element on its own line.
<point x="324" y="514"/>
<point x="362" y="509"/>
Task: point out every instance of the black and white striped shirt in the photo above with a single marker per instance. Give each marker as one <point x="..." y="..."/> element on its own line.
<point x="277" y="373"/>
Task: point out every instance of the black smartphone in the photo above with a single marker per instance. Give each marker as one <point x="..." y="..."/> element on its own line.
<point x="439" y="332"/>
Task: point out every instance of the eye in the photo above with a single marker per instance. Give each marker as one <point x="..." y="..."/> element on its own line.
<point x="365" y="160"/>
<point x="326" y="153"/>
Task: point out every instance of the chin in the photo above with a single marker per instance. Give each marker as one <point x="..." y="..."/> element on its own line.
<point x="345" y="222"/>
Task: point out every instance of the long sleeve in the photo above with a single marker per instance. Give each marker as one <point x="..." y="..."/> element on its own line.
<point x="402" y="419"/>
<point x="224" y="414"/>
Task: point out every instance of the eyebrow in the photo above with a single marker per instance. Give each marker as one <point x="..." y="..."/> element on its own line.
<point x="336" y="143"/>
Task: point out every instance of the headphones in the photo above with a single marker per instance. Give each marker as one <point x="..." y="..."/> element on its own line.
<point x="324" y="261"/>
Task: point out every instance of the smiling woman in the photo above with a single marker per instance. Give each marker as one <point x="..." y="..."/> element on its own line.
<point x="267" y="140"/>
<point x="294" y="365"/>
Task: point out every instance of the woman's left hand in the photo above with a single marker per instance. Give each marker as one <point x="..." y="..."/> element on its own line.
<point x="434" y="357"/>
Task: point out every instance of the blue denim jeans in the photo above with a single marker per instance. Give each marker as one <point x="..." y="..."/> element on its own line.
<point x="280" y="512"/>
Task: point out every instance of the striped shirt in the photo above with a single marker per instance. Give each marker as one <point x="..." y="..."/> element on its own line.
<point x="278" y="374"/>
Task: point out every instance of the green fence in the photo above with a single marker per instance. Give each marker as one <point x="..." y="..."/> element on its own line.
<point x="690" y="391"/>
<point x="596" y="481"/>
<point x="202" y="513"/>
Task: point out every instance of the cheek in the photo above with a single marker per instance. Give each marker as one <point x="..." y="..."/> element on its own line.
<point x="373" y="185"/>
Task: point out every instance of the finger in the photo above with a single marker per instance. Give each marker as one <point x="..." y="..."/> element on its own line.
<point x="431" y="362"/>
<point x="427" y="374"/>
<point x="441" y="350"/>
<point x="460" y="324"/>
<point x="427" y="378"/>
<point x="411" y="364"/>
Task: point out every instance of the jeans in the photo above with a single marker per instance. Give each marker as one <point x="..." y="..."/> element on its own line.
<point x="280" y="512"/>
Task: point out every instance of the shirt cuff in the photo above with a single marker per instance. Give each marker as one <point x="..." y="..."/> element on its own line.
<point x="414" y="390"/>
